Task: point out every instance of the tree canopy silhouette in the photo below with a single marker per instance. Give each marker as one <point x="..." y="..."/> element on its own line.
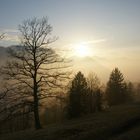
<point x="35" y="69"/>
<point x="78" y="95"/>
<point x="94" y="92"/>
<point x="115" y="90"/>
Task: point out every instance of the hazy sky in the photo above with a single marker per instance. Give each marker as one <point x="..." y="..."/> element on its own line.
<point x="111" y="29"/>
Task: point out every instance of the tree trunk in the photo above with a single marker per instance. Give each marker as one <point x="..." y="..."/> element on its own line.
<point x="36" y="110"/>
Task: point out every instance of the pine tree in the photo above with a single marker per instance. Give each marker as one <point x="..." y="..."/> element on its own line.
<point x="115" y="90"/>
<point x="78" y="96"/>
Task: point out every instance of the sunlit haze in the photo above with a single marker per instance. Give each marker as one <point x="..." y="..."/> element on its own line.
<point x="81" y="50"/>
<point x="101" y="34"/>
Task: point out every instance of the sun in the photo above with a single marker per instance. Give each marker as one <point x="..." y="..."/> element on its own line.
<point x="81" y="50"/>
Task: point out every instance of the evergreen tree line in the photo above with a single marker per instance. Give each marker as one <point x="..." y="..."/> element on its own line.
<point x="83" y="98"/>
<point x="87" y="97"/>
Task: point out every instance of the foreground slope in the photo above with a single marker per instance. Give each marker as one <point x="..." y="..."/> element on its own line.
<point x="117" y="123"/>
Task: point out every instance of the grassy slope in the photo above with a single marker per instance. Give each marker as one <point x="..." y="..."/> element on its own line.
<point x="118" y="123"/>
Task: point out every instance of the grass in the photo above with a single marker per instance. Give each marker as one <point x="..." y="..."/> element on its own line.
<point x="118" y="123"/>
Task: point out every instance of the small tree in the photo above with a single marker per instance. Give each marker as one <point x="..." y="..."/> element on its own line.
<point x="94" y="93"/>
<point x="35" y="70"/>
<point x="78" y="96"/>
<point x="93" y="81"/>
<point x="130" y="92"/>
<point x="115" y="90"/>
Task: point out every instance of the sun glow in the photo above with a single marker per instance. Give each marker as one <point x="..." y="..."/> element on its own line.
<point x="81" y="50"/>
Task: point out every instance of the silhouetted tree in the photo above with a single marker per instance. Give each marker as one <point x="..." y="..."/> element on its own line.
<point x="130" y="91"/>
<point x="93" y="81"/>
<point x="94" y="93"/>
<point x="115" y="90"/>
<point x="34" y="70"/>
<point x="98" y="100"/>
<point x="138" y="89"/>
<point x="78" y="96"/>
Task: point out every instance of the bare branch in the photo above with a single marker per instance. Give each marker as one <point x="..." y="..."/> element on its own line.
<point x="35" y="70"/>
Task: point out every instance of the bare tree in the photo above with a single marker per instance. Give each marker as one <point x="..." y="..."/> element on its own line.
<point x="94" y="86"/>
<point x="93" y="81"/>
<point x="35" y="70"/>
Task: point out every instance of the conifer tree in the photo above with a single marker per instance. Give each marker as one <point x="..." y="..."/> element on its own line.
<point x="115" y="90"/>
<point x="78" y="96"/>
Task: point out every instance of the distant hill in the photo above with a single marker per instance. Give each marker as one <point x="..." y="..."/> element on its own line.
<point x="3" y="51"/>
<point x="3" y="54"/>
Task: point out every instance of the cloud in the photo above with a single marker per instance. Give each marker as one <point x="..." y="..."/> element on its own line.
<point x="69" y="48"/>
<point x="12" y="38"/>
<point x="94" y="41"/>
<point x="9" y="30"/>
<point x="11" y="35"/>
<point x="85" y="43"/>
